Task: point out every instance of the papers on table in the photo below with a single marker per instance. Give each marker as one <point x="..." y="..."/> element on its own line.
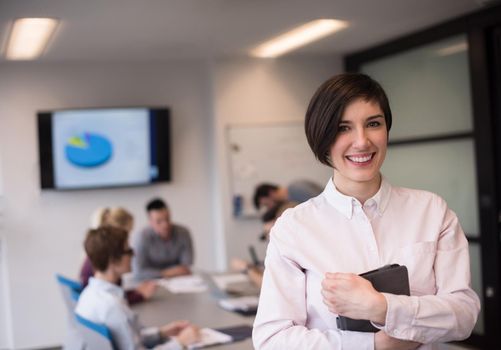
<point x="245" y="304"/>
<point x="223" y="281"/>
<point x="184" y="284"/>
<point x="209" y="337"/>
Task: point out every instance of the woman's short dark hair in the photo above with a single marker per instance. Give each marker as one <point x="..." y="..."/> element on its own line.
<point x="104" y="245"/>
<point x="328" y="104"/>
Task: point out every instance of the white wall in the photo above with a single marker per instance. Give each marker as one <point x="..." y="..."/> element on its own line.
<point x="250" y="91"/>
<point x="43" y="231"/>
<point x="5" y="341"/>
<point x="5" y="313"/>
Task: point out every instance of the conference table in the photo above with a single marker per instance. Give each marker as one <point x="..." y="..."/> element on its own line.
<point x="200" y="308"/>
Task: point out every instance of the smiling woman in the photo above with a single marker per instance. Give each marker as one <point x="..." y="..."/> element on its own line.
<point x="359" y="223"/>
<point x="360" y="148"/>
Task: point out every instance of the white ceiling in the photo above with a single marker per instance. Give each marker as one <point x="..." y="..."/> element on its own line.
<point x="158" y="30"/>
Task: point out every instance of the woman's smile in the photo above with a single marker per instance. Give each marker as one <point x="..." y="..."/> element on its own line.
<point x="361" y="159"/>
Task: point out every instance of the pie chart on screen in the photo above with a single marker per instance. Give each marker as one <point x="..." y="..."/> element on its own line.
<point x="88" y="150"/>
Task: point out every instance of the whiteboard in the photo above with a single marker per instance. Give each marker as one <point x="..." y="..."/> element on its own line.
<point x="276" y="153"/>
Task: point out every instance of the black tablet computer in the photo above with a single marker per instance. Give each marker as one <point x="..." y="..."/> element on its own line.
<point x="392" y="279"/>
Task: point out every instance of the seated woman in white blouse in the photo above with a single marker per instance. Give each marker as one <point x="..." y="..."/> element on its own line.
<point x="102" y="301"/>
<point x="359" y="223"/>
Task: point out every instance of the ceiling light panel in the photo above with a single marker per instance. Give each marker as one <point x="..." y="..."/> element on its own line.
<point x="298" y="37"/>
<point x="29" y="38"/>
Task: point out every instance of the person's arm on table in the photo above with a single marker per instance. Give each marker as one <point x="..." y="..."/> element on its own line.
<point x="142" y="292"/>
<point x="173" y="271"/>
<point x="176" y="335"/>
<point x="255" y="274"/>
<point x="182" y="332"/>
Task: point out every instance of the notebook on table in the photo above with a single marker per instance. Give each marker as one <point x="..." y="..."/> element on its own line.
<point x="393" y="279"/>
<point x="246" y="305"/>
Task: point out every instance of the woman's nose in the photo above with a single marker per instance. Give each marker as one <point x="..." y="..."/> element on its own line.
<point x="361" y="138"/>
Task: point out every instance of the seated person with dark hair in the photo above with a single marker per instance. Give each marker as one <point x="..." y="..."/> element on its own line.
<point x="163" y="249"/>
<point x="253" y="270"/>
<point x="103" y="300"/>
<point x="269" y="195"/>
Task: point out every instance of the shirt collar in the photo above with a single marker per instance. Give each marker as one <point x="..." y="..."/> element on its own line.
<point x="382" y="197"/>
<point x="106" y="286"/>
<point x="345" y="204"/>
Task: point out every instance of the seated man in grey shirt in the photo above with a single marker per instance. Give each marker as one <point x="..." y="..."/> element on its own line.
<point x="163" y="249"/>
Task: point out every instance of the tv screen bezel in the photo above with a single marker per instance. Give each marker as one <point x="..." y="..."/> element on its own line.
<point x="160" y="135"/>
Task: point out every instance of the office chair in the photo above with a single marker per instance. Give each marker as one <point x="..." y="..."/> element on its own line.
<point x="71" y="292"/>
<point x="95" y="336"/>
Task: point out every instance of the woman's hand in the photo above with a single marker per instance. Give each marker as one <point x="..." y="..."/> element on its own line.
<point x="173" y="328"/>
<point x="383" y="341"/>
<point x="353" y="296"/>
<point x="147" y="289"/>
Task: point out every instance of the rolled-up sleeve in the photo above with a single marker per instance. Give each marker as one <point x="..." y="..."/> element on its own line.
<point x="282" y="314"/>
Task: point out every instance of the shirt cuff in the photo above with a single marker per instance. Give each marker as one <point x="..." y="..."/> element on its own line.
<point x="400" y="316"/>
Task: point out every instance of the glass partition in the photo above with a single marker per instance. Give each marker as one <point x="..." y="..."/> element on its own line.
<point x="428" y="88"/>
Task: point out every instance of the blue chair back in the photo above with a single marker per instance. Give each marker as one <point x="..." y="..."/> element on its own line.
<point x="71" y="292"/>
<point x="95" y="336"/>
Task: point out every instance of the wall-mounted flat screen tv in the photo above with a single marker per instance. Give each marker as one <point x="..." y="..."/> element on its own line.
<point x="103" y="147"/>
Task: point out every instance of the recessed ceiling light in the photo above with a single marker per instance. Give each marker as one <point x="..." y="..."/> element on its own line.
<point x="298" y="37"/>
<point x="29" y="37"/>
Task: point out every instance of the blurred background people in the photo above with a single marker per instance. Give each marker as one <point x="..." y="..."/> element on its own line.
<point x="255" y="269"/>
<point x="269" y="195"/>
<point x="103" y="300"/>
<point x="120" y="218"/>
<point x="163" y="248"/>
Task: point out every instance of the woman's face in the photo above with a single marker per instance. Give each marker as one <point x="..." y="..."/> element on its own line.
<point x="360" y="146"/>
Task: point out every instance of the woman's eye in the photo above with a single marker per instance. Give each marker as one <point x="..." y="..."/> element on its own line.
<point x="342" y="128"/>
<point x="374" y="124"/>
